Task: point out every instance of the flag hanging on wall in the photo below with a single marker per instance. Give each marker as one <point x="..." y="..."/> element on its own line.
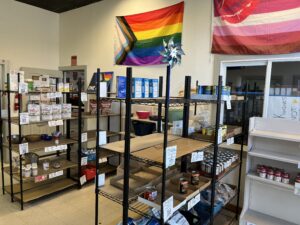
<point x="256" y="27"/>
<point x="139" y="38"/>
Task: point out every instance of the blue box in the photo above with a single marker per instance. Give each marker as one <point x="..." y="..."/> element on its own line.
<point x="145" y="88"/>
<point x="153" y="88"/>
<point x="121" y="87"/>
<point x="137" y="87"/>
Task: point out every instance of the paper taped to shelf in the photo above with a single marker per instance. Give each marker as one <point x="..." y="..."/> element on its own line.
<point x="171" y="156"/>
<point x="84" y="97"/>
<point x="197" y="157"/>
<point x="56" y="148"/>
<point x="24" y="118"/>
<point x="82" y="180"/>
<point x="84" y="161"/>
<point x="230" y="141"/>
<point x="178" y="219"/>
<point x="23" y="88"/>
<point x="168" y="208"/>
<point x="101" y="180"/>
<point x="220" y="138"/>
<point x="56" y="174"/>
<point x="228" y="104"/>
<point x="54" y="123"/>
<point x="102" y="138"/>
<point x="84" y="137"/>
<point x="23" y="148"/>
<point x="193" y="201"/>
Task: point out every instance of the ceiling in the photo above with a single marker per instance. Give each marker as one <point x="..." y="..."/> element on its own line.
<point x="59" y="6"/>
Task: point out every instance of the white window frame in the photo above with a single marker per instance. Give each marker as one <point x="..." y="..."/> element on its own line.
<point x="268" y="62"/>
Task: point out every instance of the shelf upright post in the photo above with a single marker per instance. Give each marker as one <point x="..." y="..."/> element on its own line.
<point x="120" y="123"/>
<point x="127" y="144"/>
<point x="186" y="118"/>
<point x="216" y="150"/>
<point x="79" y="132"/>
<point x="164" y="174"/>
<point x="57" y="102"/>
<point x="161" y="80"/>
<point x="97" y="146"/>
<point x="68" y="128"/>
<point x="197" y="92"/>
<point x="20" y="135"/>
<point x="1" y="142"/>
<point x="242" y="150"/>
<point x="108" y="117"/>
<point x="9" y="139"/>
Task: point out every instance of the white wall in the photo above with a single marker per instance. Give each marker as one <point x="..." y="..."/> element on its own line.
<point x="28" y="36"/>
<point x="88" y="32"/>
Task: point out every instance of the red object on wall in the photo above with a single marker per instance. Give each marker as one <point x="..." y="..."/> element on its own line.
<point x="16" y="102"/>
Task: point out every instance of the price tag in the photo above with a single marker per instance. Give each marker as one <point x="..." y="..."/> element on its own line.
<point x="58" y="95"/>
<point x="56" y="174"/>
<point x="102" y="138"/>
<point x="297" y="189"/>
<point x="23" y="88"/>
<point x="84" y="137"/>
<point x="171" y="156"/>
<point x="82" y="180"/>
<point x="168" y="208"/>
<point x="101" y="180"/>
<point x="84" y="161"/>
<point x="228" y="104"/>
<point x="84" y="97"/>
<point x="249" y="223"/>
<point x="24" y="118"/>
<point x="197" y="157"/>
<point x="23" y="148"/>
<point x="220" y="138"/>
<point x="193" y="201"/>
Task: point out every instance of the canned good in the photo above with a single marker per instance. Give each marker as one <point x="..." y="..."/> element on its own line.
<point x="183" y="186"/>
<point x="270" y="174"/>
<point x="195" y="178"/>
<point x="277" y="176"/>
<point x="263" y="172"/>
<point x="150" y="193"/>
<point x="285" y="178"/>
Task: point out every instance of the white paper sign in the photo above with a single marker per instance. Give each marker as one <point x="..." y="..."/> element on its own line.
<point x="84" y="137"/>
<point x="56" y="148"/>
<point x="297" y="189"/>
<point x="193" y="201"/>
<point x="168" y="208"/>
<point x="82" y="180"/>
<point x="284" y="107"/>
<point x="84" y="97"/>
<point x="23" y="148"/>
<point x="23" y="88"/>
<point x="101" y="180"/>
<point x="54" y="123"/>
<point x="171" y="156"/>
<point x="56" y="174"/>
<point x="197" y="157"/>
<point x="228" y="104"/>
<point x="24" y="118"/>
<point x="84" y="161"/>
<point x="102" y="138"/>
<point x="103" y="89"/>
<point x="230" y="141"/>
<point x="220" y="139"/>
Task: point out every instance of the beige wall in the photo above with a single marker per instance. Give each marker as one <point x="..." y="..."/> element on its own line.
<point x="88" y="32"/>
<point x="28" y="36"/>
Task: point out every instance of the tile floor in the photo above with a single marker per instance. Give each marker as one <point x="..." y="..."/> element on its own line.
<point x="72" y="207"/>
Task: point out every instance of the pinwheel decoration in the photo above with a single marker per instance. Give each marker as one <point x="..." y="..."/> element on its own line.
<point x="172" y="53"/>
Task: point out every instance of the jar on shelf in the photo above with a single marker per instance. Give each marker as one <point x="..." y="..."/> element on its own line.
<point x="285" y="178"/>
<point x="277" y="176"/>
<point x="195" y="178"/>
<point x="270" y="174"/>
<point x="263" y="172"/>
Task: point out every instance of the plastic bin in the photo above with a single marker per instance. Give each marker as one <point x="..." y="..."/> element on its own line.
<point x="89" y="171"/>
<point x="143" y="128"/>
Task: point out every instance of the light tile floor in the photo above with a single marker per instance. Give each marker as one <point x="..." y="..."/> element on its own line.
<point x="73" y="207"/>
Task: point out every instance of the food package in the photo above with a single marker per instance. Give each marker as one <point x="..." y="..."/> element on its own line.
<point x="56" y="109"/>
<point x="33" y="119"/>
<point x="46" y="117"/>
<point x="66" y="108"/>
<point x="46" y="109"/>
<point x="34" y="109"/>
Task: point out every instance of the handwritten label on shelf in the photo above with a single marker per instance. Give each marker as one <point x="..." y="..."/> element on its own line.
<point x="84" y="97"/>
<point x="84" y="137"/>
<point x="230" y="141"/>
<point x="82" y="180"/>
<point x="56" y="174"/>
<point x="23" y="88"/>
<point x="102" y="138"/>
<point x="297" y="189"/>
<point x="56" y="148"/>
<point x="171" y="156"/>
<point x="220" y="138"/>
<point x="193" y="201"/>
<point x="23" y="148"/>
<point x="84" y="161"/>
<point x="54" y="123"/>
<point x="197" y="157"/>
<point x="168" y="208"/>
<point x="101" y="180"/>
<point x="24" y="118"/>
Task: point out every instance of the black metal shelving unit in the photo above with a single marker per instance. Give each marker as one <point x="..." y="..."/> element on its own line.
<point x="129" y="201"/>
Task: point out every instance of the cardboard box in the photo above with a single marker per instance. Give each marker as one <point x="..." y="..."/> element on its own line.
<point x="153" y="88"/>
<point x="121" y="87"/>
<point x="137" y="90"/>
<point x="145" y="88"/>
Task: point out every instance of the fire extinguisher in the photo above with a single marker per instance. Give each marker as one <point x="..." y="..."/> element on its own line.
<point x="16" y="102"/>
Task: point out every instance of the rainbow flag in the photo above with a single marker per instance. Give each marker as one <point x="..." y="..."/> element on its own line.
<point x="256" y="27"/>
<point x="139" y="38"/>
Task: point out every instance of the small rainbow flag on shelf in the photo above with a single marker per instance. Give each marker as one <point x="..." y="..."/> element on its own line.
<point x="139" y="37"/>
